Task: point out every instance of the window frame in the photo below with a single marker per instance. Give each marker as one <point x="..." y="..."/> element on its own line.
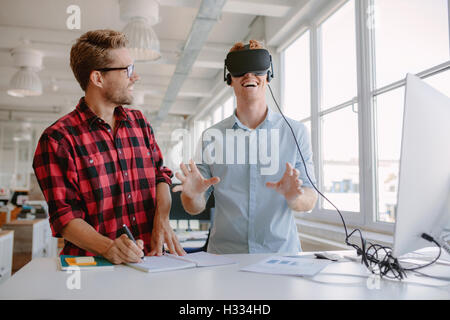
<point x="366" y="92"/>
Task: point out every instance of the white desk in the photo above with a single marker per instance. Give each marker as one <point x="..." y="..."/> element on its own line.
<point x="40" y="279"/>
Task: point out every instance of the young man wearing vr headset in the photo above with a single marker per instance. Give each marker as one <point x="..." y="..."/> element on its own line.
<point x="253" y="211"/>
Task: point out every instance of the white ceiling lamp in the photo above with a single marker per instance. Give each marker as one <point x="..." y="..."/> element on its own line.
<point x="26" y="81"/>
<point x="141" y="16"/>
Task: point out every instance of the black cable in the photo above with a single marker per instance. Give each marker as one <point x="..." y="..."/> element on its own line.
<point x="386" y="266"/>
<point x="429" y="238"/>
<point x="304" y="164"/>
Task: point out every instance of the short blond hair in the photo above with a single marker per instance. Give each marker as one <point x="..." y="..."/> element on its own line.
<point x="91" y="51"/>
<point x="253" y="44"/>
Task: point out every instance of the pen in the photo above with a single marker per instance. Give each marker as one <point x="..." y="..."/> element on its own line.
<point x="129" y="234"/>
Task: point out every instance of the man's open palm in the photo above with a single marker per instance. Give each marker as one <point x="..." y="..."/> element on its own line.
<point x="290" y="186"/>
<point x="192" y="181"/>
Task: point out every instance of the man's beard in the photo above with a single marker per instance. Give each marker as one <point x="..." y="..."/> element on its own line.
<point x="119" y="97"/>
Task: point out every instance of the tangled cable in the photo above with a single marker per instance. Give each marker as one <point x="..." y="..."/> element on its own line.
<point x="377" y="258"/>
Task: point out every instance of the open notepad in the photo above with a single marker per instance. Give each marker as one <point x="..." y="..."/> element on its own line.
<point x="168" y="262"/>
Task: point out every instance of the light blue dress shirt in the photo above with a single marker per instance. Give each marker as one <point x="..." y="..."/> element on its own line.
<point x="248" y="216"/>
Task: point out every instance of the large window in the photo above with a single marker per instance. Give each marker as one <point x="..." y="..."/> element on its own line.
<point x="440" y="82"/>
<point x="359" y="54"/>
<point x="388" y="117"/>
<point x="410" y="36"/>
<point x="223" y="111"/>
<point x="297" y="83"/>
<point x="338" y="57"/>
<point x="17" y="143"/>
<point x="228" y="108"/>
<point x="217" y="115"/>
<point x="338" y="117"/>
<point x="340" y="167"/>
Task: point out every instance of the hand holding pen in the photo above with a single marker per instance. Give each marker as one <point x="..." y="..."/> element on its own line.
<point x="139" y="243"/>
<point x="125" y="249"/>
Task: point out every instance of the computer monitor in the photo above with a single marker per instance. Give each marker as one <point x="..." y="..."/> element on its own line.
<point x="423" y="204"/>
<point x="19" y="197"/>
<point x="177" y="211"/>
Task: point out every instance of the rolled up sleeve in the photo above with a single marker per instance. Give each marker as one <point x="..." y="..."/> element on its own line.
<point x="56" y="173"/>
<point x="163" y="174"/>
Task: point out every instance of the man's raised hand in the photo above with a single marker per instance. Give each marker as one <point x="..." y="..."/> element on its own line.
<point x="289" y="186"/>
<point x="192" y="182"/>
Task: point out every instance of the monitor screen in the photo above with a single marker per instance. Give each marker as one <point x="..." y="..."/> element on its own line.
<point x="424" y="179"/>
<point x="177" y="211"/>
<point x="19" y="197"/>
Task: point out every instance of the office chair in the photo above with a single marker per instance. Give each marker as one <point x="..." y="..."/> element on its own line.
<point x="209" y="206"/>
<point x="204" y="248"/>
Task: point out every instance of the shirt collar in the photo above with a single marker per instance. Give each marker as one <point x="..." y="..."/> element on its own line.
<point x="270" y="116"/>
<point x="121" y="114"/>
<point x="90" y="117"/>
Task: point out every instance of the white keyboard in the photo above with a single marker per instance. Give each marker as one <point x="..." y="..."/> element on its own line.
<point x="426" y="256"/>
<point x="191" y="235"/>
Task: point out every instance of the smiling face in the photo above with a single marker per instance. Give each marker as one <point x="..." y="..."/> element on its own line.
<point x="118" y="88"/>
<point x="249" y="87"/>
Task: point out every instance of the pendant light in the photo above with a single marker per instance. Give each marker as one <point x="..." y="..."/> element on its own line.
<point x="142" y="39"/>
<point x="26" y="82"/>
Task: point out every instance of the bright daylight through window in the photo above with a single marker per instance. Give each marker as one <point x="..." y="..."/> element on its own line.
<point x="419" y="32"/>
<point x="339" y="128"/>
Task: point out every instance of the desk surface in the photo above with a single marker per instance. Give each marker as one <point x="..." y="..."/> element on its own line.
<point x="40" y="279"/>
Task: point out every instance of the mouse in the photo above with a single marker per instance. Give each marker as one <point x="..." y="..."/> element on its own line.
<point x="328" y="256"/>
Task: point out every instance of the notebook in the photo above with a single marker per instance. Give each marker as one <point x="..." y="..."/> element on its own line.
<point x="169" y="262"/>
<point x="66" y="262"/>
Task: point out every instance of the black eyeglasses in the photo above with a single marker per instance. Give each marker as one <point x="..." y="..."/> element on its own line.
<point x="130" y="69"/>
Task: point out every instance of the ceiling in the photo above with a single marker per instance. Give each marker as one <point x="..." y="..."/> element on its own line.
<point x="43" y="23"/>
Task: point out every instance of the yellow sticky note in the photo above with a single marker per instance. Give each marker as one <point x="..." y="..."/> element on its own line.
<point x="83" y="260"/>
<point x="73" y="262"/>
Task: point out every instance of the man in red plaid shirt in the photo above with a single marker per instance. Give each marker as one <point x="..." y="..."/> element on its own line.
<point x="100" y="167"/>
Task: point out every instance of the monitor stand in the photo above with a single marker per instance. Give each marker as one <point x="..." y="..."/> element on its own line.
<point x="189" y="226"/>
<point x="443" y="241"/>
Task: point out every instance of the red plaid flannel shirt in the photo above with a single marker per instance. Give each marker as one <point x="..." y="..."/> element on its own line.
<point x="107" y="179"/>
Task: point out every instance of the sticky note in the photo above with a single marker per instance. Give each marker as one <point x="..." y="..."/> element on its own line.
<point x="81" y="261"/>
<point x="84" y="260"/>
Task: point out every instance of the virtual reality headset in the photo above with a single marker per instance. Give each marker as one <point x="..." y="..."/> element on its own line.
<point x="257" y="61"/>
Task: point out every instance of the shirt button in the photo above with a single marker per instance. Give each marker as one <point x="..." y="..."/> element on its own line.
<point x="91" y="161"/>
<point x="126" y="174"/>
<point x="109" y="130"/>
<point x="129" y="196"/>
<point x="148" y="153"/>
<point x="120" y="152"/>
<point x="134" y="219"/>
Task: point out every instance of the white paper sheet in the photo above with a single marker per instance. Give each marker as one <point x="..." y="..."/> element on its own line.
<point x="295" y="266"/>
<point x="169" y="262"/>
<point x="162" y="263"/>
<point x="204" y="259"/>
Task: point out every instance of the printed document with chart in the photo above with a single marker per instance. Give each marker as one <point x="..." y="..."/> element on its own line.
<point x="290" y="265"/>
